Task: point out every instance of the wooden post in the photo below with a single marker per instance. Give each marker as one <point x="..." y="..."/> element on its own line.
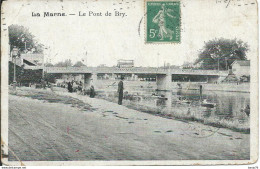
<point x="200" y="92"/>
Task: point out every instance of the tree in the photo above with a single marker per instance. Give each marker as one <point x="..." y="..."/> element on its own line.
<point x="79" y="64"/>
<point x="221" y="53"/>
<point x="66" y="63"/>
<point x="20" y="37"/>
<point x="51" y="77"/>
<point x="24" y="76"/>
<point x="187" y="65"/>
<point x="49" y="65"/>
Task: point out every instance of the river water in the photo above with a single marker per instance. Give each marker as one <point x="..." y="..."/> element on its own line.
<point x="218" y="108"/>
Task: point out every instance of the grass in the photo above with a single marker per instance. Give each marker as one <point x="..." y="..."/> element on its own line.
<point x="51" y="98"/>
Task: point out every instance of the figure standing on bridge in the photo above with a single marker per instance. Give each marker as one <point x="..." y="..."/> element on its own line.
<point x="120" y="91"/>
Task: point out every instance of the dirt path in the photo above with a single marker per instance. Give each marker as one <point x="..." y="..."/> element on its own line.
<point x="39" y="130"/>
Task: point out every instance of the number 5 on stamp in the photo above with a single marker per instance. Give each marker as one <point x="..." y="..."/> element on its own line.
<point x="163" y="21"/>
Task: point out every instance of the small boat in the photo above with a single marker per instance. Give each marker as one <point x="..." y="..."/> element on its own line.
<point x="183" y="100"/>
<point x="158" y="96"/>
<point x="179" y="86"/>
<point x="207" y="104"/>
<point x="246" y="110"/>
<point x="186" y="101"/>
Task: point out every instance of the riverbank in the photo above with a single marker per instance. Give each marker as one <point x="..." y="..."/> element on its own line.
<point x="225" y="87"/>
<point x="227" y="112"/>
<point x="67" y="126"/>
<point x="222" y="115"/>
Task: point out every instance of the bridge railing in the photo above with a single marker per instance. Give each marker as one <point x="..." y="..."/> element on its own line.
<point x="69" y="69"/>
<point x="198" y="72"/>
<point x="137" y="70"/>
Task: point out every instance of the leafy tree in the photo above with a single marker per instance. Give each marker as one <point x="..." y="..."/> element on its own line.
<point x="66" y="63"/>
<point x="21" y="37"/>
<point x="51" y="77"/>
<point x="24" y="76"/>
<point x="79" y="64"/>
<point x="222" y="52"/>
<point x="49" y="65"/>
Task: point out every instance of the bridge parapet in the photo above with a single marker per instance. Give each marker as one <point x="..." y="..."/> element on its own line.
<point x="104" y="70"/>
<point x="199" y="72"/>
<point x="137" y="70"/>
<point x="69" y="69"/>
<point x="134" y="70"/>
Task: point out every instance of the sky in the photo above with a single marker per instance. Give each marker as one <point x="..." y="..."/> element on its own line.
<point x="104" y="40"/>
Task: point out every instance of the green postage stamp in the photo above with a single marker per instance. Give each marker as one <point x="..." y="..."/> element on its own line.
<point x="163" y="21"/>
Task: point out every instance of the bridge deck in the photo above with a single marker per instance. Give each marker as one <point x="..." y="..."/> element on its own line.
<point x="134" y="70"/>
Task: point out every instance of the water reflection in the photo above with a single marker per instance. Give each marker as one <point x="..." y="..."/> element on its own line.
<point x="225" y="108"/>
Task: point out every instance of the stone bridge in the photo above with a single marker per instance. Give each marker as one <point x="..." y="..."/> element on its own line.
<point x="134" y="70"/>
<point x="163" y="75"/>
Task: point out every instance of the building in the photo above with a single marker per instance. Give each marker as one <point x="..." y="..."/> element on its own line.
<point x="29" y="68"/>
<point x="102" y="65"/>
<point x="29" y="61"/>
<point x="32" y="61"/>
<point x="125" y="63"/>
<point x="241" y="68"/>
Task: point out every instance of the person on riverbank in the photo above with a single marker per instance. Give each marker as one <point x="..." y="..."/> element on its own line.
<point x="120" y="91"/>
<point x="51" y="86"/>
<point x="70" y="87"/>
<point x="43" y="83"/>
<point x="92" y="91"/>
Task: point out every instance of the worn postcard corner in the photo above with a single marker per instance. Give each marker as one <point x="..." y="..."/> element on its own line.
<point x="129" y="82"/>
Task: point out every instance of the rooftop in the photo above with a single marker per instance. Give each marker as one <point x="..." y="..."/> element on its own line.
<point x="242" y="62"/>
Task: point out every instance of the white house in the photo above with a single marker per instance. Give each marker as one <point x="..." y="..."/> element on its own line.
<point x="125" y="63"/>
<point x="241" y="67"/>
<point x="29" y="61"/>
<point x="32" y="61"/>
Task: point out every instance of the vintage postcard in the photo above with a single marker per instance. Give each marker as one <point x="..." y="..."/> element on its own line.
<point x="129" y="82"/>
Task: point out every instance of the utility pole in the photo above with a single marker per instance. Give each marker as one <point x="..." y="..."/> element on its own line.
<point x="43" y="71"/>
<point x="226" y="63"/>
<point x="86" y="58"/>
<point x="25" y="47"/>
<point x="218" y="64"/>
<point x="43" y="60"/>
<point x="158" y="60"/>
<point x="14" y="56"/>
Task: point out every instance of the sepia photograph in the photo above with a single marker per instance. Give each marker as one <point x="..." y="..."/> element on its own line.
<point x="129" y="82"/>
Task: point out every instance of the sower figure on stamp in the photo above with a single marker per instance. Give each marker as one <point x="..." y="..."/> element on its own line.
<point x="120" y="91"/>
<point x="160" y="19"/>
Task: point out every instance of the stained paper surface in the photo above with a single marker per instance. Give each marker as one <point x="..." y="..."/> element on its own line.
<point x="129" y="82"/>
